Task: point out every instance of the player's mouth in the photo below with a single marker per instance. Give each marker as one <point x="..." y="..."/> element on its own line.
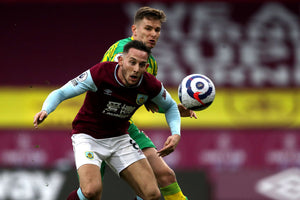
<point x="152" y="42"/>
<point x="134" y="78"/>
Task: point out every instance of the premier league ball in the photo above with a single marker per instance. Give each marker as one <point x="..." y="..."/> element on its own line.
<point x="196" y="92"/>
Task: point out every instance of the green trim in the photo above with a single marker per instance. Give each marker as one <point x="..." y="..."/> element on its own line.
<point x="170" y="189"/>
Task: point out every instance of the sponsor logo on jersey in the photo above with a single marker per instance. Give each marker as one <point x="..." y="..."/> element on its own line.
<point x="141" y="99"/>
<point x="89" y="155"/>
<point x="118" y="109"/>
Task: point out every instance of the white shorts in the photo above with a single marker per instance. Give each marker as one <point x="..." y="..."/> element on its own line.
<point x="118" y="152"/>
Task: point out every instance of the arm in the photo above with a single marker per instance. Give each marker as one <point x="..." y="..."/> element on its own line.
<point x="73" y="88"/>
<point x="165" y="101"/>
<point x="184" y="112"/>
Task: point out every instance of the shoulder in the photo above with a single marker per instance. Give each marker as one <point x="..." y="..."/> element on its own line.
<point x="103" y="66"/>
<point x="101" y="70"/>
<point x="151" y="81"/>
<point x="119" y="45"/>
<point x="116" y="48"/>
<point x="124" y="41"/>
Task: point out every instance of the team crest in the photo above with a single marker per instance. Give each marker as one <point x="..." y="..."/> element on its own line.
<point x="89" y="155"/>
<point x="141" y="99"/>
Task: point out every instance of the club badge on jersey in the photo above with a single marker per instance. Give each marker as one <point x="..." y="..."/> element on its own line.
<point x="89" y="155"/>
<point x="141" y="99"/>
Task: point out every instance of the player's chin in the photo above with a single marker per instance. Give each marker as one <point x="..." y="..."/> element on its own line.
<point x="151" y="45"/>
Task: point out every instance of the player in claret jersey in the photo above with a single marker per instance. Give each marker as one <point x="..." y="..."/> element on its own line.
<point x="114" y="92"/>
<point x="147" y="28"/>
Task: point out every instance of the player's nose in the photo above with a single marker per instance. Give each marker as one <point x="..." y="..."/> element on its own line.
<point x="153" y="33"/>
<point x="136" y="67"/>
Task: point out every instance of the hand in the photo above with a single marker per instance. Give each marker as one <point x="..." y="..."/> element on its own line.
<point x="150" y="106"/>
<point x="170" y="145"/>
<point x="39" y="118"/>
<point x="185" y="112"/>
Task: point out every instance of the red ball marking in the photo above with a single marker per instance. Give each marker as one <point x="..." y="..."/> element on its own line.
<point x="196" y="96"/>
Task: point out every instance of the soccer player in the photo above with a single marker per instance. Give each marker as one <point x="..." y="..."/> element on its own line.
<point x="147" y="28"/>
<point x="115" y="90"/>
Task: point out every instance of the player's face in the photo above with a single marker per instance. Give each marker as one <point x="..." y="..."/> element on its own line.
<point x="132" y="66"/>
<point x="147" y="31"/>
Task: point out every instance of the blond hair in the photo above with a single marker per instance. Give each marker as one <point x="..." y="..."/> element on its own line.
<point x="147" y="12"/>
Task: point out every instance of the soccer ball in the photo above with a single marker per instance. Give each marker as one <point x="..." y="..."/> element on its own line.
<point x="196" y="92"/>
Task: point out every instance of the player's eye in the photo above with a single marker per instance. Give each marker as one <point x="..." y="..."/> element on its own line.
<point x="132" y="62"/>
<point x="157" y="30"/>
<point x="142" y="65"/>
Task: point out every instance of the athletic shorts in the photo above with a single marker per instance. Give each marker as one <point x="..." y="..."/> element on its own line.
<point x="140" y="137"/>
<point x="118" y="152"/>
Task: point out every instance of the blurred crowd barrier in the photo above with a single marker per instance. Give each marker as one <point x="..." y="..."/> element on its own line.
<point x="246" y="145"/>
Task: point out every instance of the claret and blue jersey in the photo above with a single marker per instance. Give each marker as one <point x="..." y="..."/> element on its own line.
<point x="108" y="104"/>
<point x="111" y="106"/>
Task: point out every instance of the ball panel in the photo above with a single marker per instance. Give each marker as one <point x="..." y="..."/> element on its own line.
<point x="180" y="93"/>
<point x="196" y="92"/>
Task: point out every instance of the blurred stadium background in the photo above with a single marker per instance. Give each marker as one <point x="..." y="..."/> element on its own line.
<point x="246" y="146"/>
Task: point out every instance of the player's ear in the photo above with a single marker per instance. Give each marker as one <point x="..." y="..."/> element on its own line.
<point x="133" y="29"/>
<point x="120" y="59"/>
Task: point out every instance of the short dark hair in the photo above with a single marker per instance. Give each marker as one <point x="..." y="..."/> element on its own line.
<point x="148" y="12"/>
<point x="136" y="44"/>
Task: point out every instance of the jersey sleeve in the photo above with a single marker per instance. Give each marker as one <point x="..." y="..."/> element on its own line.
<point x="112" y="53"/>
<point x="74" y="87"/>
<point x="165" y="101"/>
